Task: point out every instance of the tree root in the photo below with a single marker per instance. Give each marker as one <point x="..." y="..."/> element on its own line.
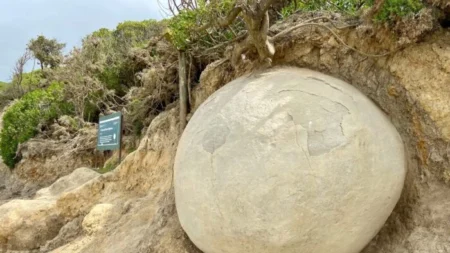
<point x="321" y="25"/>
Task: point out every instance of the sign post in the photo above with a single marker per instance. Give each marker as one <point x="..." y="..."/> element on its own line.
<point x="110" y="133"/>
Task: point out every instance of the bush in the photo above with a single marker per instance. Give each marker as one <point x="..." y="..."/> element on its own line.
<point x="110" y="76"/>
<point x="391" y="9"/>
<point x="3" y="85"/>
<point x="32" y="79"/>
<point x="137" y="33"/>
<point x="182" y="27"/>
<point x="347" y="6"/>
<point x="21" y="120"/>
<point x="109" y="52"/>
<point x="10" y="93"/>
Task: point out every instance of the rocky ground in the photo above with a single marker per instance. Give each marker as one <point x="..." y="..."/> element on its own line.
<point x="29" y="224"/>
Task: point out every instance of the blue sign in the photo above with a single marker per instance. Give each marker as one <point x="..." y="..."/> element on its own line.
<point x="109" y="132"/>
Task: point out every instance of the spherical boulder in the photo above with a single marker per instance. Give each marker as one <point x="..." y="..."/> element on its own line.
<point x="287" y="161"/>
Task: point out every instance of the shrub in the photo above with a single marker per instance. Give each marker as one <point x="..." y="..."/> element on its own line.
<point x="347" y="6"/>
<point x="109" y="52"/>
<point x="137" y="33"/>
<point x="110" y="76"/>
<point x="3" y="85"/>
<point x="21" y="120"/>
<point x="10" y="93"/>
<point x="183" y="28"/>
<point x="32" y="79"/>
<point x="391" y="9"/>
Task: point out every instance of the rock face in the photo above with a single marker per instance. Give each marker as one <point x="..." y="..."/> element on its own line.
<point x="67" y="183"/>
<point x="44" y="160"/>
<point x="29" y="224"/>
<point x="98" y="217"/>
<point x="5" y="173"/>
<point x="132" y="208"/>
<point x="287" y="161"/>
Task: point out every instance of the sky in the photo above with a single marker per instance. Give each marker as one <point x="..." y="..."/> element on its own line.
<point x="68" y="21"/>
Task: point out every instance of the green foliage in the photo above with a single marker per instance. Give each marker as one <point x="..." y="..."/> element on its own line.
<point x="91" y="111"/>
<point x="3" y="85"/>
<point x="9" y="92"/>
<point x="102" y="33"/>
<point x="347" y="6"/>
<point x="183" y="28"/>
<point x="391" y="9"/>
<point x="21" y="120"/>
<point x="138" y="109"/>
<point x="99" y="73"/>
<point x="127" y="35"/>
<point x="110" y="76"/>
<point x="92" y="74"/>
<point x="47" y="51"/>
<point x="136" y="33"/>
<point x="110" y="51"/>
<point x="31" y="80"/>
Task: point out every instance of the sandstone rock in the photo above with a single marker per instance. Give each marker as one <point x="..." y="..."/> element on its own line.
<point x="67" y="233"/>
<point x="141" y="188"/>
<point x="287" y="161"/>
<point x="28" y="224"/>
<point x="5" y="173"/>
<point x="45" y="160"/>
<point x="99" y="216"/>
<point x="67" y="183"/>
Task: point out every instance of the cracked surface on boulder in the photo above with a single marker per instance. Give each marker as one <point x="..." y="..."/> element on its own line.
<point x="289" y="160"/>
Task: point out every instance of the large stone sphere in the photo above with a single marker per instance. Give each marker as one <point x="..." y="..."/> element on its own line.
<point x="287" y="161"/>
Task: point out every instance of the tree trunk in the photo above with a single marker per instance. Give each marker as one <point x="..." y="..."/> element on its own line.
<point x="183" y="88"/>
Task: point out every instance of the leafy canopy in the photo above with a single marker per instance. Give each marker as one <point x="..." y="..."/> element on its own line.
<point x="47" y="51"/>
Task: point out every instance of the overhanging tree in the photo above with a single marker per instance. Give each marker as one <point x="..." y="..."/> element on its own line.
<point x="215" y="14"/>
<point x="203" y="28"/>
